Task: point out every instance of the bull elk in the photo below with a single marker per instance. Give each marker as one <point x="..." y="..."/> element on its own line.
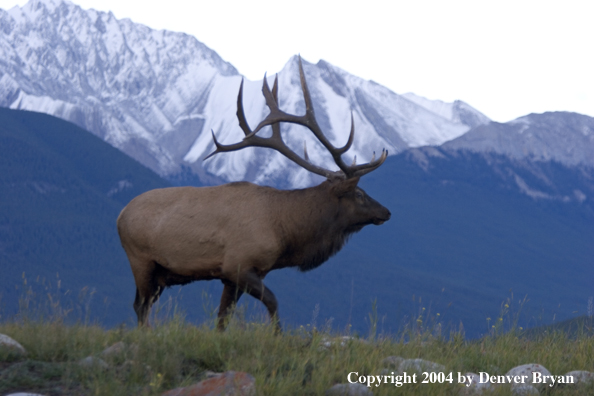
<point x="239" y="232"/>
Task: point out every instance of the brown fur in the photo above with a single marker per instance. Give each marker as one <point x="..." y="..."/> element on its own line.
<point x="237" y="233"/>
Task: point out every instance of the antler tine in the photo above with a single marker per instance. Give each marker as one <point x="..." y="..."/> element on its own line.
<point x="275" y="89"/>
<point x="270" y="96"/>
<point x="276" y="126"/>
<point x="305" y="155"/>
<point x="217" y="144"/>
<point x="311" y="123"/>
<point x="349" y="142"/>
<point x="276" y="114"/>
<point x="306" y="96"/>
<point x="240" y="115"/>
<point x="360" y="170"/>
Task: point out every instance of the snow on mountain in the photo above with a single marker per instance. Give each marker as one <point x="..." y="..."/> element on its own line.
<point x="156" y="95"/>
<point x="457" y="111"/>
<point x="564" y="137"/>
<point x="382" y="119"/>
<point x="122" y="81"/>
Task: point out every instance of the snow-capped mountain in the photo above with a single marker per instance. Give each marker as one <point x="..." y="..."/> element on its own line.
<point x="564" y="137"/>
<point x="382" y="119"/>
<point x="157" y="94"/>
<point x="126" y="83"/>
<point x="456" y="111"/>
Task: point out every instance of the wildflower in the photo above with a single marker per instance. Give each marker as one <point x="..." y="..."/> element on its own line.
<point x="156" y="382"/>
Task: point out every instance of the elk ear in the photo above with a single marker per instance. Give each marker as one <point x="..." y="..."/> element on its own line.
<point x="341" y="187"/>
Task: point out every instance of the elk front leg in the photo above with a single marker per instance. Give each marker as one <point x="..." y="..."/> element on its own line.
<point x="253" y="285"/>
<point x="229" y="298"/>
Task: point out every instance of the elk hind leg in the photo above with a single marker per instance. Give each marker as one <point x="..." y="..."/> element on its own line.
<point x="143" y="303"/>
<point x="148" y="291"/>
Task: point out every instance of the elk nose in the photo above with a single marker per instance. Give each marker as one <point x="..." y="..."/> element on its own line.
<point x="382" y="217"/>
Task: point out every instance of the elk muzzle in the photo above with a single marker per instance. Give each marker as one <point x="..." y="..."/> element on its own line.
<point x="382" y="217"/>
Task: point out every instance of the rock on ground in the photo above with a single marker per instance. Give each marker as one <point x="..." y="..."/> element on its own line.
<point x="524" y="390"/>
<point x="349" y="390"/>
<point x="116" y="349"/>
<point x="327" y="343"/>
<point x="476" y="387"/>
<point x="393" y="362"/>
<point x="401" y="365"/>
<point x="528" y="369"/>
<point x="93" y="362"/>
<point x="420" y="365"/>
<point x="581" y="376"/>
<point x="230" y="383"/>
<point x="7" y="342"/>
<point x="24" y="394"/>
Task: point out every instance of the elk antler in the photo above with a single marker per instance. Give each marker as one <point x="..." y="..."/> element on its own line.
<point x="308" y="120"/>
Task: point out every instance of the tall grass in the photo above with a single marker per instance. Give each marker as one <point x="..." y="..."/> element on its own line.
<point x="176" y="353"/>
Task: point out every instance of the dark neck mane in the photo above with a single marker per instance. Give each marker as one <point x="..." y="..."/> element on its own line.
<point x="314" y="230"/>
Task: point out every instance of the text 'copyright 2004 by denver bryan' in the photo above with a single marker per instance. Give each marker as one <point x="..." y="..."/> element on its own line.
<point x="440" y="378"/>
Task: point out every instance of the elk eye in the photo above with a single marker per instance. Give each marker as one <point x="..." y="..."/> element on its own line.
<point x="359" y="195"/>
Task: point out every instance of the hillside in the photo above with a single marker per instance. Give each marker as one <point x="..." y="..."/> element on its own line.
<point x="61" y="190"/>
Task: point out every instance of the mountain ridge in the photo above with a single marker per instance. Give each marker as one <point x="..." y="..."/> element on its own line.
<point x="560" y="136"/>
<point x="157" y="94"/>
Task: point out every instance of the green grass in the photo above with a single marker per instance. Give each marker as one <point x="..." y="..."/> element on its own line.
<point x="174" y="353"/>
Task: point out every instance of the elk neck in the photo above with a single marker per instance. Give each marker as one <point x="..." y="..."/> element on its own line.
<point x="313" y="226"/>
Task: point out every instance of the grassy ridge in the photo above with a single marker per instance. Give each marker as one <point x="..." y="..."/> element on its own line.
<point x="174" y="353"/>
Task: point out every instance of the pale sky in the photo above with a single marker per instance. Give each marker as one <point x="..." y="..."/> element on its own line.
<point x="505" y="58"/>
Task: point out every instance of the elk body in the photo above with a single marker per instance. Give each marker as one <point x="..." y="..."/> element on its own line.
<point x="238" y="232"/>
